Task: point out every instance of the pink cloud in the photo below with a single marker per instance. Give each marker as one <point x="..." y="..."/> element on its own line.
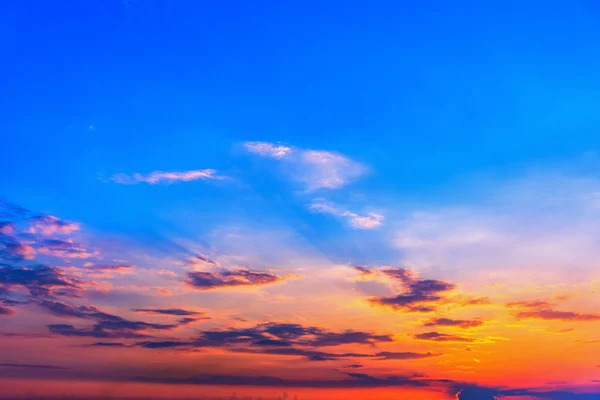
<point x="49" y="225"/>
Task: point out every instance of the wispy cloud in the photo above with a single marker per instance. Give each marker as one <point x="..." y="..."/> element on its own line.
<point x="266" y="149"/>
<point x="368" y="221"/>
<point x="315" y="169"/>
<point x="156" y="177"/>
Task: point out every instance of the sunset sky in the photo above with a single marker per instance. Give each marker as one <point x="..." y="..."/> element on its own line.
<point x="337" y="199"/>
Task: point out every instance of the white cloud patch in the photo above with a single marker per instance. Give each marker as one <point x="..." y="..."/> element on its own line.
<point x="533" y="229"/>
<point x="368" y="221"/>
<point x="167" y="177"/>
<point x="266" y="149"/>
<point x="316" y="169"/>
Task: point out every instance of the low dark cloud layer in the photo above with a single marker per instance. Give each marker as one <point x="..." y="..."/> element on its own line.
<point x="30" y="366"/>
<point x="105" y="326"/>
<point x="286" y="339"/>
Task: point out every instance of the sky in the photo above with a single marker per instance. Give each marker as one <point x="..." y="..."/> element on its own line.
<point x="314" y="200"/>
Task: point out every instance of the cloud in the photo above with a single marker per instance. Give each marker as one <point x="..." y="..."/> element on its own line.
<point x="6" y="227"/>
<point x="549" y="314"/>
<point x="18" y="251"/>
<point x="542" y="309"/>
<point x="63" y="249"/>
<point x="40" y="280"/>
<point x="5" y="311"/>
<point x="356" y="221"/>
<point x="421" y="296"/>
<point x="355" y="381"/>
<point x="442" y="337"/>
<point x="106" y="344"/>
<point x="326" y="339"/>
<point x="354" y="366"/>
<point x="113" y="267"/>
<point x="49" y="225"/>
<point x="314" y="169"/>
<point x="199" y="260"/>
<point x="461" y="323"/>
<point x="285" y="339"/>
<point x="163" y="344"/>
<point x="266" y="149"/>
<point x="106" y="325"/>
<point x="70" y="330"/>
<point x="169" y="311"/>
<point x="388" y="355"/>
<point x="230" y="278"/>
<point x="167" y="177"/>
<point x="30" y="366"/>
<point x="530" y="304"/>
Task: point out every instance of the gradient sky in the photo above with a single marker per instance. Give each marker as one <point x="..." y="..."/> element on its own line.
<point x="337" y="200"/>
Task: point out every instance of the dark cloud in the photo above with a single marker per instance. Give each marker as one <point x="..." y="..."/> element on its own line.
<point x="326" y="339"/>
<point x="185" y="321"/>
<point x="401" y="274"/>
<point x="4" y="311"/>
<point x="106" y="344"/>
<point x="477" y="393"/>
<point x="308" y="354"/>
<point x="30" y="366"/>
<point x="288" y="331"/>
<point x="216" y="280"/>
<point x="549" y="314"/>
<point x="95" y="332"/>
<point x="355" y="381"/>
<point x="461" y="323"/>
<point x="287" y="340"/>
<point x="61" y="248"/>
<point x="200" y="259"/>
<point x="420" y="295"/>
<point x="40" y="280"/>
<point x="106" y="325"/>
<point x="442" y="337"/>
<point x="464" y="391"/>
<point x="364" y="270"/>
<point x="12" y="211"/>
<point x="169" y="311"/>
<point x="387" y="355"/>
<point x="163" y="344"/>
<point x="430" y="286"/>
<point x="354" y="366"/>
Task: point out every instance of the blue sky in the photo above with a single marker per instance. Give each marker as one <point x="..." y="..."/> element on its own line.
<point x="427" y="95"/>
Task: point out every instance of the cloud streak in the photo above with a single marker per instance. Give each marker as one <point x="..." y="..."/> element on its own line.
<point x="356" y="221"/>
<point x="157" y="177"/>
<point x="202" y="280"/>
